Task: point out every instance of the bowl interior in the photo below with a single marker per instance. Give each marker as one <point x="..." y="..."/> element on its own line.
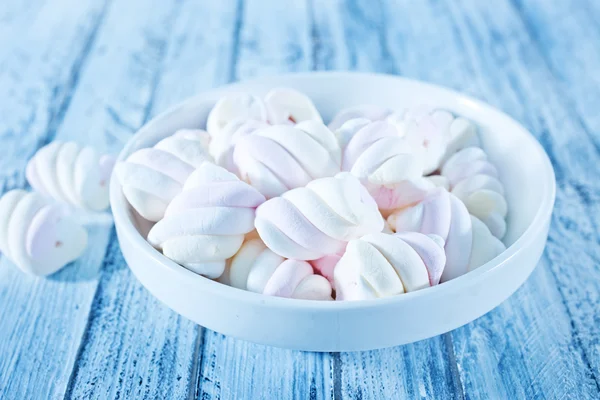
<point x="524" y="168"/>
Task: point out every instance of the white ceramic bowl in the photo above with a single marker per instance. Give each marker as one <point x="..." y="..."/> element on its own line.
<point x="348" y="326"/>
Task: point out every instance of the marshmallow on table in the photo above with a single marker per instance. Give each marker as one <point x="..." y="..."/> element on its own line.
<point x="468" y="242"/>
<point x="69" y="173"/>
<point x="257" y="269"/>
<point x="317" y="220"/>
<point x="205" y="224"/>
<point x="384" y="162"/>
<point x="152" y="177"/>
<point x="382" y="265"/>
<point x="474" y="180"/>
<point x="370" y="112"/>
<point x="36" y="236"/>
<point x="280" y="157"/>
<point x="234" y="108"/>
<point x="285" y="105"/>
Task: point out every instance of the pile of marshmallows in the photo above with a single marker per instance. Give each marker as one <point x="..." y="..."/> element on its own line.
<point x="271" y="200"/>
<point x="41" y="230"/>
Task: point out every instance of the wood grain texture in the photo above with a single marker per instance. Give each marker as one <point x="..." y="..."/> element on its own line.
<point x="96" y="70"/>
<point x="570" y="35"/>
<point x="232" y="369"/>
<point x="274" y="37"/>
<point x="16" y="18"/>
<point x="235" y="369"/>
<point x="515" y="351"/>
<point x="42" y="319"/>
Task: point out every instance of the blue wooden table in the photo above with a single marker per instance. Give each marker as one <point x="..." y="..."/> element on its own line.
<point x="95" y="70"/>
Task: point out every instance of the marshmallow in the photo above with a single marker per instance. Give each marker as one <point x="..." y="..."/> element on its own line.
<point x="221" y="147"/>
<point x="325" y="266"/>
<point x="152" y="177"/>
<point x="205" y="224"/>
<point x="314" y="221"/>
<point x="286" y="106"/>
<point x="257" y="269"/>
<point x="439" y="181"/>
<point x="384" y="163"/>
<point x="71" y="174"/>
<point x="437" y="133"/>
<point x="369" y="112"/>
<point x="382" y="265"/>
<point x="474" y="180"/>
<point x="234" y="108"/>
<point x="468" y="245"/>
<point x="36" y="236"/>
<point x="279" y="158"/>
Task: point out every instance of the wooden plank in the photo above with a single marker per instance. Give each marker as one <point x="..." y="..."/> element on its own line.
<point x="235" y="369"/>
<point x="569" y="45"/>
<point x="270" y="42"/>
<point x="16" y="18"/>
<point x="42" y="319"/>
<point x="274" y="37"/>
<point x="37" y="80"/>
<point x="133" y="345"/>
<point x="424" y="370"/>
<point x="328" y="35"/>
<point x="568" y="38"/>
<point x="516" y="350"/>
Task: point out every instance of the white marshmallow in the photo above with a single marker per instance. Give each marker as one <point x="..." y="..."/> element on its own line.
<point x="152" y="177"/>
<point x="234" y="108"/>
<point x="71" y="174"/>
<point x="287" y="105"/>
<point x="382" y="265"/>
<point x="385" y="163"/>
<point x="474" y="180"/>
<point x="36" y="235"/>
<point x="311" y="222"/>
<point x="256" y="268"/>
<point x="369" y="112"/>
<point x="205" y="224"/>
<point x="279" y="158"/>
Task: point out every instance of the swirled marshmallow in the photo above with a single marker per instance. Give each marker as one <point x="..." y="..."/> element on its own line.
<point x="257" y="269"/>
<point x="325" y="266"/>
<point x="317" y="220"/>
<point x="279" y="158"/>
<point x="384" y="162"/>
<point x="425" y="135"/>
<point x="37" y="236"/>
<point x="443" y="214"/>
<point x="382" y="265"/>
<point x="287" y="105"/>
<point x="69" y="173"/>
<point x="441" y="132"/>
<point x="205" y="224"/>
<point x="152" y="177"/>
<point x="474" y="180"/>
<point x="221" y="147"/>
<point x="369" y="112"/>
<point x="234" y="108"/>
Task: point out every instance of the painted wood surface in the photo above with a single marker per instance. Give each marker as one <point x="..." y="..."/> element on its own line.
<point x="96" y="70"/>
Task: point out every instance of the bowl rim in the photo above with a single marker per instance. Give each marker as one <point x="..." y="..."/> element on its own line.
<point x="126" y="227"/>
